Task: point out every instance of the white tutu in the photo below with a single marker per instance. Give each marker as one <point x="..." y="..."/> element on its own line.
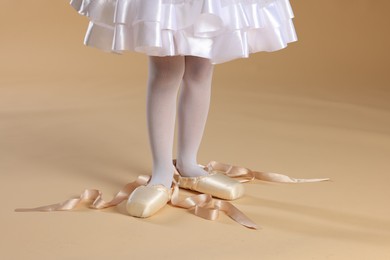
<point x="220" y="30"/>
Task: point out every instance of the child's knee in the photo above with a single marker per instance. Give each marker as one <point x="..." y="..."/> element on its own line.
<point x="166" y="70"/>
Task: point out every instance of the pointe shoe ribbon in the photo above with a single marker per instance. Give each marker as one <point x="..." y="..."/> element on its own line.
<point x="208" y="208"/>
<point x="205" y="206"/>
<point x="243" y="174"/>
<point x="92" y="195"/>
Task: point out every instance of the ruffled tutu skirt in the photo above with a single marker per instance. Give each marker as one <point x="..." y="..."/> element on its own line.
<point x="220" y="30"/>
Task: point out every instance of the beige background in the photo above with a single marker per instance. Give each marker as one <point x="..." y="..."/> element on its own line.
<point x="73" y="117"/>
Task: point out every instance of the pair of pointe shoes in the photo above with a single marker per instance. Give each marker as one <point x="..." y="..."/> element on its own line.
<point x="144" y="201"/>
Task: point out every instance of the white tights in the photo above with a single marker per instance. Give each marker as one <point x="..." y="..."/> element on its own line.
<point x="166" y="75"/>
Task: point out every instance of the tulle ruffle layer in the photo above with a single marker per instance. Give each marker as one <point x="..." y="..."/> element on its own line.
<point x="220" y="30"/>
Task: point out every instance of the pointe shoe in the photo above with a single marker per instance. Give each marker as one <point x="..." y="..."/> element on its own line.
<point x="145" y="201"/>
<point x="216" y="184"/>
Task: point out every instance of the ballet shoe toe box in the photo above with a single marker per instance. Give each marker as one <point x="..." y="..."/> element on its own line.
<point x="145" y="201"/>
<point x="216" y="184"/>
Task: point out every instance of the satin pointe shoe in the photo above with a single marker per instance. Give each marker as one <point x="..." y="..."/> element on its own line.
<point x="215" y="184"/>
<point x="145" y="201"/>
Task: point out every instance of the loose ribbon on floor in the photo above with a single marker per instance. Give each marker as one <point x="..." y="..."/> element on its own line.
<point x="92" y="195"/>
<point x="208" y="208"/>
<point x="204" y="205"/>
<point x="245" y="175"/>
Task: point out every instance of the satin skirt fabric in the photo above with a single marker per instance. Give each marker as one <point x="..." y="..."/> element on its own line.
<point x="220" y="30"/>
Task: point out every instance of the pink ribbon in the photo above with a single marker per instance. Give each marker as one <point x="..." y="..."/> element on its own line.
<point x="205" y="206"/>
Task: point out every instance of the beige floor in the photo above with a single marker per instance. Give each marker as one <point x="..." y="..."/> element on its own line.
<point x="72" y="117"/>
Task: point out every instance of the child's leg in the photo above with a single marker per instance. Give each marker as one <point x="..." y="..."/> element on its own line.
<point x="165" y="76"/>
<point x="194" y="101"/>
